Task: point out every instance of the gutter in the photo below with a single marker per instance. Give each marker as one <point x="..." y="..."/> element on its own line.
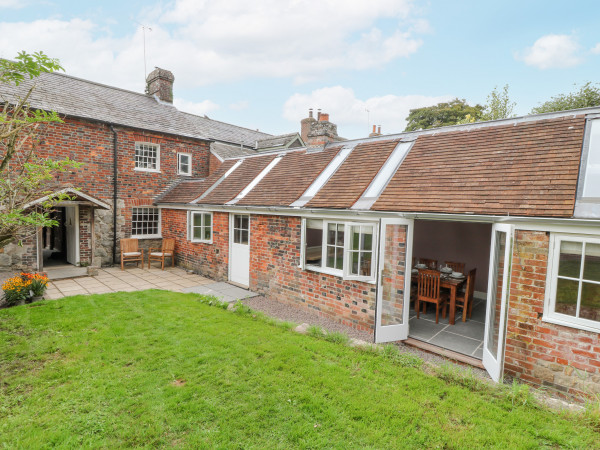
<point x="115" y="161"/>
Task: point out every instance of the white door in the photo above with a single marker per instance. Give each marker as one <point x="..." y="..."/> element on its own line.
<point x="239" y="255"/>
<point x="393" y="293"/>
<point x="72" y="227"/>
<point x="495" y="323"/>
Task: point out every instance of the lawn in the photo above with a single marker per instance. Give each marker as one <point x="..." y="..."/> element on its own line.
<point x="158" y="369"/>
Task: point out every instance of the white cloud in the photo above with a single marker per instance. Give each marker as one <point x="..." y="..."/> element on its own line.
<point x="350" y="113"/>
<point x="596" y="49"/>
<point x="552" y="51"/>
<point x="204" y="42"/>
<point x="198" y="108"/>
<point x="239" y="106"/>
<point x="12" y="4"/>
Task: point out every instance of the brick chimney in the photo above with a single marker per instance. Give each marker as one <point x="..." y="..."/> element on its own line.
<point x="322" y="131"/>
<point x="376" y="131"/>
<point x="305" y="125"/>
<point x="160" y="83"/>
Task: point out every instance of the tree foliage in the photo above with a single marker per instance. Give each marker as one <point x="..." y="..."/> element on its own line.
<point x="442" y="114"/>
<point x="24" y="176"/>
<point x="587" y="96"/>
<point x="498" y="105"/>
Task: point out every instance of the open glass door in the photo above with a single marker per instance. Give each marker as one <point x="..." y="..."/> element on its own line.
<point x="497" y="304"/>
<point x="393" y="293"/>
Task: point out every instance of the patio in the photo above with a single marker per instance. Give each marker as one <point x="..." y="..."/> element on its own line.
<point x="113" y="279"/>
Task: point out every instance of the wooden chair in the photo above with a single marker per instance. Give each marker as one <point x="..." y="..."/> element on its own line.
<point x="465" y="299"/>
<point x="428" y="291"/>
<point x="430" y="263"/>
<point x="130" y="252"/>
<point x="159" y="254"/>
<point x="456" y="266"/>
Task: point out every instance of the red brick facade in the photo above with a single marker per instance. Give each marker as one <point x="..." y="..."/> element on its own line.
<point x="561" y="358"/>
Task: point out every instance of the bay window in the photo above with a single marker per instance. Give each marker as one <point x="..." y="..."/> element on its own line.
<point x="574" y="297"/>
<point x="345" y="249"/>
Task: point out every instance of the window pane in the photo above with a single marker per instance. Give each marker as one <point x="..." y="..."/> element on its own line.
<point x="207" y="232"/>
<point x="355" y="239"/>
<point x="354" y="263"/>
<point x="330" y="257"/>
<point x="237" y="221"/>
<point x="245" y="222"/>
<point x="365" y="263"/>
<point x="207" y="220"/>
<point x="566" y="296"/>
<point x="591" y="265"/>
<point x="340" y="234"/>
<point x="314" y="242"/>
<point x="331" y="227"/>
<point x="197" y="220"/>
<point x="339" y="258"/>
<point x="197" y="233"/>
<point x="570" y="259"/>
<point x="244" y="237"/>
<point x="590" y="301"/>
<point x="367" y="241"/>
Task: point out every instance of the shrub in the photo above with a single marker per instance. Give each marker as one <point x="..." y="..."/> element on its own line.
<point x="16" y="289"/>
<point x="38" y="282"/>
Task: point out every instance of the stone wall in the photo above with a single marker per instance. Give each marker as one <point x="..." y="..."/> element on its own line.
<point x="563" y="359"/>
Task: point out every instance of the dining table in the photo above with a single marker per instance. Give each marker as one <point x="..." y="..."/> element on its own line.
<point x="447" y="282"/>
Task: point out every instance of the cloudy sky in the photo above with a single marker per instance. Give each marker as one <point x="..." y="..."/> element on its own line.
<point x="263" y="63"/>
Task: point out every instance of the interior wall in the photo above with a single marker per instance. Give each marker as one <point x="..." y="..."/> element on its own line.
<point x="455" y="241"/>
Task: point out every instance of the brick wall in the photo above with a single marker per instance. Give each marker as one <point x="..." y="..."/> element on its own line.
<point x="209" y="260"/>
<point x="274" y="271"/>
<point x="563" y="359"/>
<point x="213" y="163"/>
<point x="91" y="143"/>
<point x="86" y="223"/>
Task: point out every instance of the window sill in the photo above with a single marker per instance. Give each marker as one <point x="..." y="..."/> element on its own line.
<point x="198" y="241"/>
<point x="339" y="274"/>
<point x="184" y="174"/>
<point x="147" y="236"/>
<point x="137" y="169"/>
<point x="556" y="320"/>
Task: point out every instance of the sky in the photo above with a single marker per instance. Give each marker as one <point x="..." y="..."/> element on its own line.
<point x="262" y="63"/>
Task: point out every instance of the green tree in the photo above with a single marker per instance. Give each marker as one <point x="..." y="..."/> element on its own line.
<point x="24" y="176"/>
<point x="442" y="114"/>
<point x="498" y="105"/>
<point x="587" y="96"/>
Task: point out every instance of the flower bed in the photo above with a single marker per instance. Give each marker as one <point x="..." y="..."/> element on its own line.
<point x="23" y="287"/>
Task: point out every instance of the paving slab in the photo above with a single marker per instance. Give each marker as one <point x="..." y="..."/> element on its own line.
<point x="224" y="291"/>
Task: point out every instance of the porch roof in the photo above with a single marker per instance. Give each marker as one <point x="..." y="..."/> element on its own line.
<point x="76" y="195"/>
<point x="525" y="167"/>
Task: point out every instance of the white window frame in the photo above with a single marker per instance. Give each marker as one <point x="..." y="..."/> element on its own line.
<point x="345" y="272"/>
<point x="190" y="226"/>
<point x="179" y="172"/>
<point x="143" y="169"/>
<point x="148" y="236"/>
<point x="550" y="315"/>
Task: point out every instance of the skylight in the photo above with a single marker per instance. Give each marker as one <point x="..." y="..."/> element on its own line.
<point x="256" y="180"/>
<point x="591" y="185"/>
<point x="383" y="177"/>
<point x="219" y="181"/>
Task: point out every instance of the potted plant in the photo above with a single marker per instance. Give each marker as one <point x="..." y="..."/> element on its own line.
<point x="37" y="286"/>
<point x="16" y="290"/>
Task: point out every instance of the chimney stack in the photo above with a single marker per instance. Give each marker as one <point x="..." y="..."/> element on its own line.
<point x="160" y="83"/>
<point x="321" y="131"/>
<point x="376" y="131"/>
<point x="305" y="125"/>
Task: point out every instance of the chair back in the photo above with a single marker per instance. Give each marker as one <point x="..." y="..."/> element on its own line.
<point x="470" y="287"/>
<point x="456" y="266"/>
<point x="168" y="245"/>
<point x="129" y="245"/>
<point x="428" y="284"/>
<point x="430" y="263"/>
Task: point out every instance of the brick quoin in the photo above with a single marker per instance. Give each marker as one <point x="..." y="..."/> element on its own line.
<point x="564" y="359"/>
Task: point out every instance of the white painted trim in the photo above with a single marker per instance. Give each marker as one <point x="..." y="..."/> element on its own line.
<point x="190" y="227"/>
<point x="141" y="169"/>
<point x="219" y="181"/>
<point x="72" y="191"/>
<point x="255" y="181"/>
<point x="179" y="172"/>
<point x="148" y="236"/>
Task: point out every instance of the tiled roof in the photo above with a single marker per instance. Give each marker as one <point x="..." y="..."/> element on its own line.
<point x="354" y="175"/>
<point x="281" y="140"/>
<point x="288" y="180"/>
<point x="189" y="190"/>
<point x="226" y="151"/>
<point x="526" y="169"/>
<point x="72" y="96"/>
<point x="237" y="181"/>
<point x="523" y="167"/>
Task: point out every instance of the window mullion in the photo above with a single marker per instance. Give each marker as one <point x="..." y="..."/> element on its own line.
<point x="580" y="279"/>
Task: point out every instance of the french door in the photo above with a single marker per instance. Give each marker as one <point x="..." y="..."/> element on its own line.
<point x="393" y="293"/>
<point x="239" y="246"/>
<point x="497" y="299"/>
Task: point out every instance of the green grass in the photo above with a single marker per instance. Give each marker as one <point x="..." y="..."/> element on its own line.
<point x="160" y="369"/>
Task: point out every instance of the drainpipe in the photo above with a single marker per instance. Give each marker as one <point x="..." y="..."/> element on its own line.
<point x="115" y="160"/>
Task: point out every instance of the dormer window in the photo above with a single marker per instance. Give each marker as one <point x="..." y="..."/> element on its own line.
<point x="184" y="164"/>
<point x="147" y="157"/>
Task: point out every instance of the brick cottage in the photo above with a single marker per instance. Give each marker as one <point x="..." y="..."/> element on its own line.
<point x="346" y="227"/>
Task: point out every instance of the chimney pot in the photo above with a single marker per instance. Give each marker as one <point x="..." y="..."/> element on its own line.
<point x="310" y="112"/>
<point x="374" y="128"/>
<point x="379" y="129"/>
<point x="324" y="117"/>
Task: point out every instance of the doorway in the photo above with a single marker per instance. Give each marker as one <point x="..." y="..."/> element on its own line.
<point x="239" y="245"/>
<point x="60" y="244"/>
